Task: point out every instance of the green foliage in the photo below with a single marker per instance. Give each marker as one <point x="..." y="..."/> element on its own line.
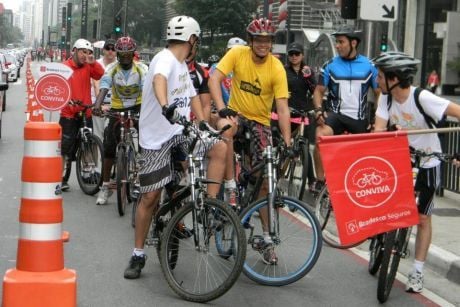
<point x="219" y="20"/>
<point x="9" y="34"/>
<point x="454" y="64"/>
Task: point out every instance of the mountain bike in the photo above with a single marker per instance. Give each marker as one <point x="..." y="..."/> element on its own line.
<point x="191" y="264"/>
<point x="125" y="167"/>
<point x="396" y="241"/>
<point x="88" y="156"/>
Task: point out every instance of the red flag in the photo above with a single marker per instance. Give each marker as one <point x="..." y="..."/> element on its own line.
<point x="369" y="177"/>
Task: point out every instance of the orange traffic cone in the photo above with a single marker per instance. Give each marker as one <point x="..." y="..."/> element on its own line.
<point x="40" y="279"/>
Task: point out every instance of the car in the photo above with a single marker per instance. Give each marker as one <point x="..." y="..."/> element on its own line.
<point x="4" y="72"/>
<point x="14" y="67"/>
<point x="3" y="88"/>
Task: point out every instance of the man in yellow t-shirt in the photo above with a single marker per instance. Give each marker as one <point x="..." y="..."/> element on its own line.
<point x="259" y="78"/>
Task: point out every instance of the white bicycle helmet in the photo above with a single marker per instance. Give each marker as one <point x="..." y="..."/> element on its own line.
<point x="181" y="28"/>
<point x="82" y="43"/>
<point x="235" y="41"/>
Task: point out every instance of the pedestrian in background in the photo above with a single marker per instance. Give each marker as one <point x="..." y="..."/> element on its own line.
<point x="433" y="81"/>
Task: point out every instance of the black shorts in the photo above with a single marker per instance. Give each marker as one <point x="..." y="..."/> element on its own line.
<point x="341" y="123"/>
<point x="70" y="128"/>
<point x="112" y="134"/>
<point x="427" y="182"/>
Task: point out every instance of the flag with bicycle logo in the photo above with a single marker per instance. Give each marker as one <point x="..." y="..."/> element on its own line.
<point x="369" y="177"/>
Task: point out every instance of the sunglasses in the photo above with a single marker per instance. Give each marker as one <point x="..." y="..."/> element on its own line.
<point x="110" y="48"/>
<point x="294" y="53"/>
<point x="125" y="54"/>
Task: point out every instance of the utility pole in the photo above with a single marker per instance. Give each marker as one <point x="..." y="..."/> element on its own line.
<point x="68" y="28"/>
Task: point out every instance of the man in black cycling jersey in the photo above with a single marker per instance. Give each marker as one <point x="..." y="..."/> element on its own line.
<point x="347" y="77"/>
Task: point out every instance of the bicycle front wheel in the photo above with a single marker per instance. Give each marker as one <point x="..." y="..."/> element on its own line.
<point x="376" y="248"/>
<point x="326" y="217"/>
<point x="200" y="274"/>
<point x="298" y="172"/>
<point x="89" y="162"/>
<point x="393" y="248"/>
<point x="122" y="180"/>
<point x="297" y="243"/>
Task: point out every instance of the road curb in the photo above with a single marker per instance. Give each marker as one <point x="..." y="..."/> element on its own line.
<point x="440" y="261"/>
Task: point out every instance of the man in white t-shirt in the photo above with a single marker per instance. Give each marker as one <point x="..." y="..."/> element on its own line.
<point x="167" y="82"/>
<point x="109" y="56"/>
<point x="397" y="107"/>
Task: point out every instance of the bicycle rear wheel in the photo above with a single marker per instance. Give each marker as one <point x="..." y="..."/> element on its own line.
<point x="298" y="171"/>
<point x="200" y="274"/>
<point x="394" y="242"/>
<point x="89" y="162"/>
<point x="326" y="217"/>
<point x="297" y="246"/>
<point x="376" y="248"/>
<point x="122" y="180"/>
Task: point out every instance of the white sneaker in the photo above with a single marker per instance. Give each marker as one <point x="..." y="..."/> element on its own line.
<point x="103" y="195"/>
<point x="415" y="282"/>
<point x="230" y="197"/>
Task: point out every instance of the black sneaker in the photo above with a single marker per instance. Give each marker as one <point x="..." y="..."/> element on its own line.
<point x="136" y="264"/>
<point x="65" y="186"/>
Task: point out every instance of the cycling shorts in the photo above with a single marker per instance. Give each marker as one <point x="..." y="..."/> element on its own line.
<point x="428" y="180"/>
<point x="341" y="123"/>
<point x="70" y="128"/>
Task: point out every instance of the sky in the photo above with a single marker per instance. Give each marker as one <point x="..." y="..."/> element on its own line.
<point x="11" y="4"/>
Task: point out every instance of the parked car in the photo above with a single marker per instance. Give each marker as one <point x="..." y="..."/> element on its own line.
<point x="3" y="88"/>
<point x="14" y="67"/>
<point x="4" y="72"/>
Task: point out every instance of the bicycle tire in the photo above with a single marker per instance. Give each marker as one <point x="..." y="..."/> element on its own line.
<point x="183" y="279"/>
<point x="90" y="154"/>
<point x="376" y="248"/>
<point x="131" y="173"/>
<point x="326" y="217"/>
<point x="224" y="241"/>
<point x="298" y="172"/>
<point x="292" y="265"/>
<point x="67" y="170"/>
<point x="121" y="181"/>
<point x="394" y="243"/>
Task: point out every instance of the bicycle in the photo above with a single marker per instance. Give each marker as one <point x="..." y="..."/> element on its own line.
<point x="88" y="155"/>
<point x="395" y="242"/>
<point x="188" y="207"/>
<point x="294" y="170"/>
<point x="125" y="166"/>
<point x="295" y="234"/>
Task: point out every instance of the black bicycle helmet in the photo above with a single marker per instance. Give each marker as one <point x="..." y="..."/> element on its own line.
<point x="349" y="31"/>
<point x="399" y="63"/>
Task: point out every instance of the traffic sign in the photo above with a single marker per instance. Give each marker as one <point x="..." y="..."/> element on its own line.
<point x="52" y="92"/>
<point x="380" y="10"/>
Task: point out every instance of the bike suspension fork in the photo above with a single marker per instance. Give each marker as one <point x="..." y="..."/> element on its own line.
<point x="271" y="191"/>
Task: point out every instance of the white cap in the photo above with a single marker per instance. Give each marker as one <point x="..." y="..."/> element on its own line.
<point x="82" y="43"/>
<point x="181" y="28"/>
<point x="235" y="41"/>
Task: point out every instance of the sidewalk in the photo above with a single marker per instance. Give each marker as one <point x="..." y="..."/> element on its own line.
<point x="444" y="253"/>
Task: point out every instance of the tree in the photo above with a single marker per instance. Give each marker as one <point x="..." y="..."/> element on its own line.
<point x="218" y="20"/>
<point x="9" y="34"/>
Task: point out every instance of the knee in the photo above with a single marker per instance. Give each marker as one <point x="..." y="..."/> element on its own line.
<point x="424" y="220"/>
<point x="218" y="151"/>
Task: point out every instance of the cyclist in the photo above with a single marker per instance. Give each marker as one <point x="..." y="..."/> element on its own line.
<point x="301" y="85"/>
<point x="397" y="107"/>
<point x="258" y="79"/>
<point x="347" y="77"/>
<point x="125" y="78"/>
<point x="168" y="82"/>
<point x="84" y="68"/>
<point x="200" y="78"/>
<point x="212" y="61"/>
<point x="108" y="57"/>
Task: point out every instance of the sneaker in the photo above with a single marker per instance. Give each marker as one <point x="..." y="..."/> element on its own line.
<point x="103" y="195"/>
<point x="415" y="282"/>
<point x="269" y="255"/>
<point x="65" y="186"/>
<point x="136" y="264"/>
<point x="230" y="197"/>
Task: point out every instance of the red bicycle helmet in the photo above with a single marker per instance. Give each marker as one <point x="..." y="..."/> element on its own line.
<point x="125" y="44"/>
<point x="261" y="27"/>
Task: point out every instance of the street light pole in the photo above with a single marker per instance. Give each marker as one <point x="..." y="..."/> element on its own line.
<point x="124" y="19"/>
<point x="99" y="20"/>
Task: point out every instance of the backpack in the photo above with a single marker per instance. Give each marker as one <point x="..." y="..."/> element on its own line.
<point x="428" y="119"/>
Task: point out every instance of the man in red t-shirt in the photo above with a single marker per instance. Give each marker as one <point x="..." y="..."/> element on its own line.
<point x="84" y="68"/>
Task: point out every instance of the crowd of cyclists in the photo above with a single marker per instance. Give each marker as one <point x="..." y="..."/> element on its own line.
<point x="242" y="88"/>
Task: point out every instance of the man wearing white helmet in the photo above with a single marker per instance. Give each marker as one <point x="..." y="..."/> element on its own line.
<point x="168" y="93"/>
<point x="84" y="68"/>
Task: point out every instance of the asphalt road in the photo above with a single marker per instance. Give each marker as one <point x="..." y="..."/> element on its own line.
<point x="101" y="243"/>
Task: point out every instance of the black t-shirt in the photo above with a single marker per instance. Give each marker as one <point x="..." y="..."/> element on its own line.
<point x="301" y="86"/>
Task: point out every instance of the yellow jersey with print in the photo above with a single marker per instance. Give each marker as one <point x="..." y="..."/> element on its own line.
<point x="254" y="86"/>
<point x="126" y="85"/>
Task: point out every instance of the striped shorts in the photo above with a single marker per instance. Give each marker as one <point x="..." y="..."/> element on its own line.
<point x="428" y="180"/>
<point x="156" y="169"/>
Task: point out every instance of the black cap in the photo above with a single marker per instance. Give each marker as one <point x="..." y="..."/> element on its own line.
<point x="295" y="47"/>
<point x="109" y="42"/>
